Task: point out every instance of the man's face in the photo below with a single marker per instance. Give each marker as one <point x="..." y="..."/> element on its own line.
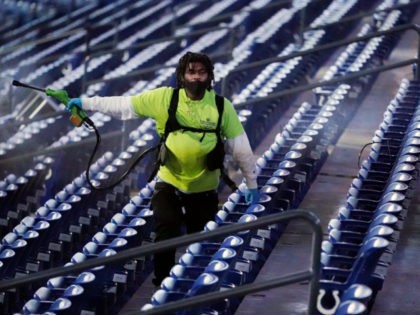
<point x="196" y="80"/>
<point x="196" y="71"/>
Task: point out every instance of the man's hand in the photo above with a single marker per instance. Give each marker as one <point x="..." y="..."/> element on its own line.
<point x="252" y="196"/>
<point x="74" y="102"/>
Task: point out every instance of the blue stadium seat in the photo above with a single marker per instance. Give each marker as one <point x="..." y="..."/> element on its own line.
<point x="351" y="308"/>
<point x="358" y="292"/>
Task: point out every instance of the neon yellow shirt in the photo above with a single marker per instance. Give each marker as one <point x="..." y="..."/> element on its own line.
<point x="185" y="164"/>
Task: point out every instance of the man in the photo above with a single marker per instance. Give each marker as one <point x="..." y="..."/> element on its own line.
<point x="186" y="190"/>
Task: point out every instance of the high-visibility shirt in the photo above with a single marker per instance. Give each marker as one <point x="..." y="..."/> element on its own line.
<point x="185" y="164"/>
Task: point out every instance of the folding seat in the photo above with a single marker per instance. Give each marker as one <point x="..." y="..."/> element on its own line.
<point x="371" y="204"/>
<point x="269" y="234"/>
<point x="73" y="293"/>
<point x="362" y="226"/>
<point x="148" y="230"/>
<point x="106" y="241"/>
<point x="267" y="194"/>
<point x="230" y="276"/>
<point x="257" y="210"/>
<point x="255" y="248"/>
<point x="360" y="189"/>
<point x="74" y="200"/>
<point x="350" y="307"/>
<point x="7" y="258"/>
<point x="18" y="245"/>
<point x="65" y="209"/>
<point x="205" y="283"/>
<point x="104" y="275"/>
<point x="138" y="201"/>
<point x="357" y="191"/>
<point x="132" y="236"/>
<point x="369" y="180"/>
<point x="59" y="306"/>
<point x="304" y="163"/>
<point x="392" y="208"/>
<point x="130" y="210"/>
<point x="127" y="222"/>
<point x="40" y="226"/>
<point x="357" y="292"/>
<point x="147" y="191"/>
<point x="266" y="165"/>
<point x="82" y="191"/>
<point x="367" y="215"/>
<point x="272" y="181"/>
<point x="401" y="117"/>
<point x="162" y="296"/>
<point x="362" y="268"/>
<point x="343" y="241"/>
<point x="181" y="278"/>
<point x="54" y="220"/>
<point x="85" y="279"/>
<point x="241" y="264"/>
<point x="199" y="260"/>
<point x="209" y="248"/>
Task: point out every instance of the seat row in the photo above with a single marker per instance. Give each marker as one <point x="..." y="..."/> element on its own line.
<point x="364" y="54"/>
<point x="363" y="238"/>
<point x="76" y="210"/>
<point x="67" y="220"/>
<point x="20" y="195"/>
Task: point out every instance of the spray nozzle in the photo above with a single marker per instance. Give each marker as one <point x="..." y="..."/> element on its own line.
<point x="59" y="95"/>
<point x="78" y="116"/>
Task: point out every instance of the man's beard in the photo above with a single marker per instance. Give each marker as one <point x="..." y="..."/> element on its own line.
<point x="196" y="88"/>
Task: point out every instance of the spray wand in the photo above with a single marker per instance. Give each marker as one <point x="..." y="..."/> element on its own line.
<point x="78" y="116"/>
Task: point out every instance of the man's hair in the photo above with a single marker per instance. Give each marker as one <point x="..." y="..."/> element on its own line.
<point x="185" y="60"/>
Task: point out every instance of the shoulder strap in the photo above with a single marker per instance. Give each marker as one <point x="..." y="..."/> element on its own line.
<point x="172" y="123"/>
<point x="220" y="102"/>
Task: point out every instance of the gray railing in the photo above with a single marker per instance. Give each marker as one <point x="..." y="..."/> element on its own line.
<point x="345" y="78"/>
<point x="312" y="274"/>
<point x="335" y="44"/>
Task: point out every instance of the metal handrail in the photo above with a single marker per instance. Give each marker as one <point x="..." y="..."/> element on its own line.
<point x="335" y="44"/>
<point x="311" y="274"/>
<point x="176" y="38"/>
<point x="397" y="29"/>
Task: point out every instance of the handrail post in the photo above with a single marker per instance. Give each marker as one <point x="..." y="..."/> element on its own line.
<point x="86" y="62"/>
<point x="317" y="238"/>
<point x="416" y="73"/>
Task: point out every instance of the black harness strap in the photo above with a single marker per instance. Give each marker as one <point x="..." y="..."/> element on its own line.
<point x="172" y="124"/>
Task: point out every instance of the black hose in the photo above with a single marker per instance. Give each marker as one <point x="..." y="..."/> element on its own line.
<point x="95" y="149"/>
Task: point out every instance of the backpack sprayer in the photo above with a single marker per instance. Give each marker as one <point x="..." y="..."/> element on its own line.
<point x="78" y="117"/>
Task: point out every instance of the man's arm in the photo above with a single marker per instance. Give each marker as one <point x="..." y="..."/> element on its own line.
<point x="120" y="107"/>
<point x="241" y="151"/>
